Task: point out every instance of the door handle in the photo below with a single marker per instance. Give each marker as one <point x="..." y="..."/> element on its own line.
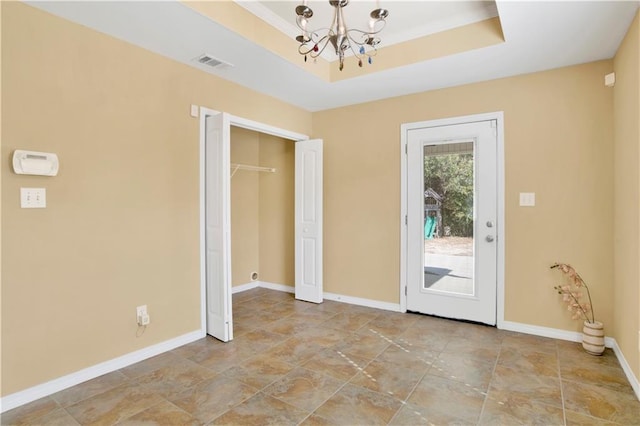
<point x="489" y="238"/>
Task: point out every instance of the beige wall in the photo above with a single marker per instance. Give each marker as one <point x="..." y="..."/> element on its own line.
<point x="245" y="217"/>
<point x="626" y="217"/>
<point x="558" y="139"/>
<point x="122" y="223"/>
<point x="262" y="209"/>
<point x="277" y="244"/>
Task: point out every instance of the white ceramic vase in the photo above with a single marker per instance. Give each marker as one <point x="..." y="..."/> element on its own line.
<point x="593" y="337"/>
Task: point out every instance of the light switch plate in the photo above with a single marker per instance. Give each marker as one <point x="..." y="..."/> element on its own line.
<point x="610" y="79"/>
<point x="194" y="111"/>
<point x="33" y="198"/>
<point x="527" y="199"/>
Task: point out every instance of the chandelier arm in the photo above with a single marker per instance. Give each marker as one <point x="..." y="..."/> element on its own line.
<point x="366" y="53"/>
<point x="367" y="41"/>
<point x="315" y="33"/>
<point x="321" y="49"/>
<point x="369" y="32"/>
<point x="356" y="54"/>
<point x="352" y="40"/>
<point x="304" y="52"/>
<point x="311" y="52"/>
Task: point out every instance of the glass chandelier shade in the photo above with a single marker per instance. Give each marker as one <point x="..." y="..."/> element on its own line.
<point x="362" y="43"/>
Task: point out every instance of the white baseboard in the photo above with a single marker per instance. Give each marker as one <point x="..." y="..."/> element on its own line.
<point x="279" y="287"/>
<point x="633" y="380"/>
<point x="39" y="391"/>
<point x="574" y="336"/>
<point x="536" y="330"/>
<point x="264" y="284"/>
<point x="554" y="333"/>
<point x="395" y="307"/>
<point x="244" y="287"/>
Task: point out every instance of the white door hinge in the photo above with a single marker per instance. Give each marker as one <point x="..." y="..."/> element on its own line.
<point x="406" y="220"/>
<point x="405" y="290"/>
<point x="406" y="150"/>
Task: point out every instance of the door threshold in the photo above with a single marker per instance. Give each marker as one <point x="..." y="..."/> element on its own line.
<point x="452" y="319"/>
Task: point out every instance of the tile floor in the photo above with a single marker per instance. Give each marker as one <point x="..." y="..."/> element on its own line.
<point x="298" y="363"/>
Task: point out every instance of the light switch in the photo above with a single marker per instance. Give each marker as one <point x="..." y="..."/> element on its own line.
<point x="194" y="111"/>
<point x="33" y="198"/>
<point x="610" y="79"/>
<point x="527" y="199"/>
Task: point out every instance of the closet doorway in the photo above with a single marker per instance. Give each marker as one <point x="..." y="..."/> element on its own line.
<point x="262" y="210"/>
<point x="215" y="212"/>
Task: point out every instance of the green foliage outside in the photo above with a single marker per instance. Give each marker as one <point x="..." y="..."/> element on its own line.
<point x="451" y="176"/>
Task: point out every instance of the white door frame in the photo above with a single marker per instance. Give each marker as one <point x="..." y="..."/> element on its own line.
<point x="245" y="124"/>
<point x="500" y="229"/>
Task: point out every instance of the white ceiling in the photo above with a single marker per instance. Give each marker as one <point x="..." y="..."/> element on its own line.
<point x="539" y="35"/>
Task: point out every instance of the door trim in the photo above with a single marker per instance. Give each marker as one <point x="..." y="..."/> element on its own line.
<point x="245" y="124"/>
<point x="500" y="229"/>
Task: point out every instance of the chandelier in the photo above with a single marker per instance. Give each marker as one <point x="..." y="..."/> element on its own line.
<point x="361" y="43"/>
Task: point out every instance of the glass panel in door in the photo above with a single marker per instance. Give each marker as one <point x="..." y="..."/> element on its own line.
<point x="449" y="218"/>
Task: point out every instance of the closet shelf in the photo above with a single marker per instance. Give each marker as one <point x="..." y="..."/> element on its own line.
<point x="235" y="167"/>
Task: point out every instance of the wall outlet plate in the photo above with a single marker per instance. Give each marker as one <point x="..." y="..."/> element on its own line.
<point x="527" y="199"/>
<point x="141" y="310"/>
<point x="33" y="198"/>
<point x="142" y="317"/>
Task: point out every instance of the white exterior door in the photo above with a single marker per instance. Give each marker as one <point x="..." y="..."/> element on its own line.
<point x="217" y="228"/>
<point x="308" y="221"/>
<point x="452" y="221"/>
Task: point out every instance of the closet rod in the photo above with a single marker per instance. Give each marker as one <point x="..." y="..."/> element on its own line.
<point x="235" y="167"/>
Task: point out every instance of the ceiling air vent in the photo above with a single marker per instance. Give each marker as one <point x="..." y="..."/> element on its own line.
<point x="209" y="60"/>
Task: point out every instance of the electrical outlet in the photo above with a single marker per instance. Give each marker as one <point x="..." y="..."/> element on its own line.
<point x="141" y="310"/>
<point x="144" y="320"/>
<point x="142" y="317"/>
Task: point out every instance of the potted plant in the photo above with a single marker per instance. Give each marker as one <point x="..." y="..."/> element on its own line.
<point x="573" y="294"/>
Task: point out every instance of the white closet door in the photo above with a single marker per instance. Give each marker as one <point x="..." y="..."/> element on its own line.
<point x="308" y="218"/>
<point x="217" y="219"/>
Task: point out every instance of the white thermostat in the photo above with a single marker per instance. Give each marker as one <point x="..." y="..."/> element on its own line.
<point x="35" y="163"/>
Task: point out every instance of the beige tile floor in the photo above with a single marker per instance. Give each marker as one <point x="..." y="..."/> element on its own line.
<point x="298" y="363"/>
